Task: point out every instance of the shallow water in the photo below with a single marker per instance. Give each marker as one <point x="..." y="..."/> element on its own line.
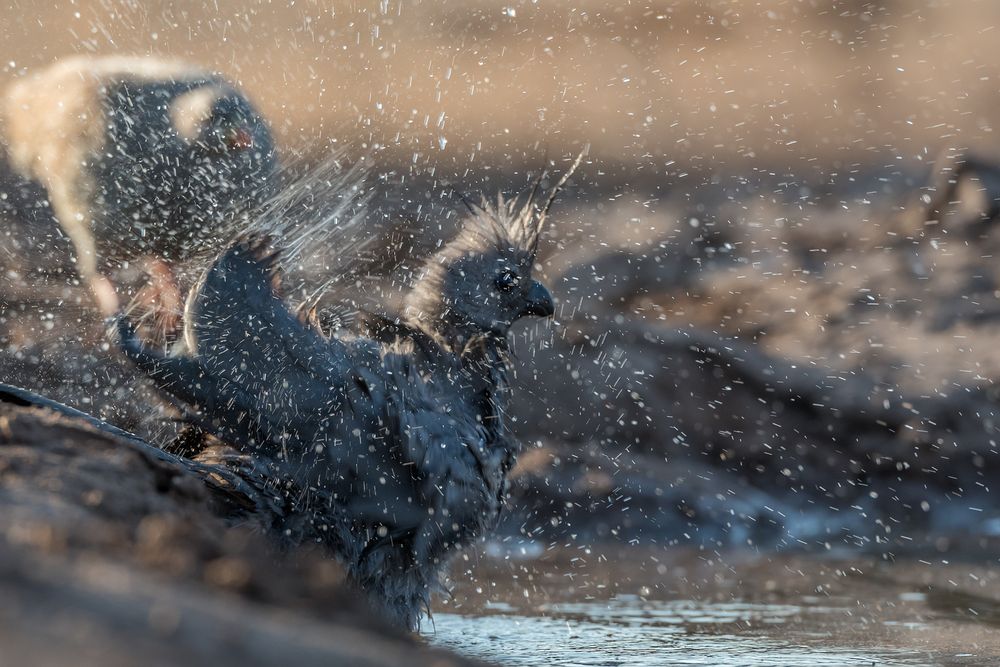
<point x="867" y="619"/>
<point x="627" y="633"/>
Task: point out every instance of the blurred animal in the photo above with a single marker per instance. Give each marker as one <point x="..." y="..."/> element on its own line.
<point x="140" y="157"/>
<point x="954" y="168"/>
<point x="398" y="428"/>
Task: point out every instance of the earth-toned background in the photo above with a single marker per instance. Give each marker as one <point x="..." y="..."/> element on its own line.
<point x="761" y="342"/>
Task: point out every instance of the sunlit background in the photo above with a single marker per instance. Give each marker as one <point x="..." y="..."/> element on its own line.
<point x="804" y="88"/>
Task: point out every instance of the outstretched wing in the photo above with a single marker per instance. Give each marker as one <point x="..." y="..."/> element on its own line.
<point x="254" y="372"/>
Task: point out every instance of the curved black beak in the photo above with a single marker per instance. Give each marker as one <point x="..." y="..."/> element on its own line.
<point x="539" y="301"/>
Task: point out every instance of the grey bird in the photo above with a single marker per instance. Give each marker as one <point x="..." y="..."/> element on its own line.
<point x="140" y="157"/>
<point x="391" y="441"/>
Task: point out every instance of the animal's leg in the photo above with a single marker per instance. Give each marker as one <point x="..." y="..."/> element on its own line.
<point x="76" y="222"/>
<point x="104" y="294"/>
<point x="162" y="299"/>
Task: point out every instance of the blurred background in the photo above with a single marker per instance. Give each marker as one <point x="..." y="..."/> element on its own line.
<point x="806" y="89"/>
<point x="775" y="350"/>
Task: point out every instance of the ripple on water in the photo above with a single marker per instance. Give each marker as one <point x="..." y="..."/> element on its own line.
<point x="628" y="631"/>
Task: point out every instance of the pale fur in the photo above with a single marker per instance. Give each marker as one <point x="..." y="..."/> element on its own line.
<point x="56" y="124"/>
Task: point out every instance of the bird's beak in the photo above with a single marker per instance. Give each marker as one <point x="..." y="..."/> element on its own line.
<point x="539" y="301"/>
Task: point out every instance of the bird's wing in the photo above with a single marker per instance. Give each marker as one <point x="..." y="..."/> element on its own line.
<point x="235" y="316"/>
<point x="253" y="367"/>
<point x="447" y="452"/>
<point x="221" y="407"/>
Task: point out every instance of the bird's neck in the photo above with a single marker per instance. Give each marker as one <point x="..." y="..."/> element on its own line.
<point x="485" y="354"/>
<point x="451" y="334"/>
<point x="481" y="355"/>
<point x="484" y="372"/>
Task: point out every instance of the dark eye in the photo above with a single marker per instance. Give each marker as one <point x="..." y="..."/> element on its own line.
<point x="238" y="139"/>
<point x="506" y="281"/>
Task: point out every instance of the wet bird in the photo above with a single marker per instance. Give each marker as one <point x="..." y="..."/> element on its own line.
<point x="391" y="440"/>
<point x="140" y="157"/>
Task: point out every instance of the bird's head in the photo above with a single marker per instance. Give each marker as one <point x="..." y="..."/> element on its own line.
<point x="482" y="281"/>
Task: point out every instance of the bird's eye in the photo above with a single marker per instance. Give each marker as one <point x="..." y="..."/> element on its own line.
<point x="505" y="281"/>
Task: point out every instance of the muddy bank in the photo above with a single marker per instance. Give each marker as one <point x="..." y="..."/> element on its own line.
<point x="813" y="376"/>
<point x="112" y="555"/>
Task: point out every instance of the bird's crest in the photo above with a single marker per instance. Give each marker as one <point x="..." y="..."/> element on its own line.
<point x="516" y="223"/>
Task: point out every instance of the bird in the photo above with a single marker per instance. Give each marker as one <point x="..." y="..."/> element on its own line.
<point x="391" y="437"/>
<point x="141" y="157"/>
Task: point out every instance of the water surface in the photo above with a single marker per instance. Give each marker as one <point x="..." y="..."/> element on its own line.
<point x="694" y="610"/>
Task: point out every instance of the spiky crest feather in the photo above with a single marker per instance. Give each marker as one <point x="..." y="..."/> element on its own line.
<point x="513" y="223"/>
